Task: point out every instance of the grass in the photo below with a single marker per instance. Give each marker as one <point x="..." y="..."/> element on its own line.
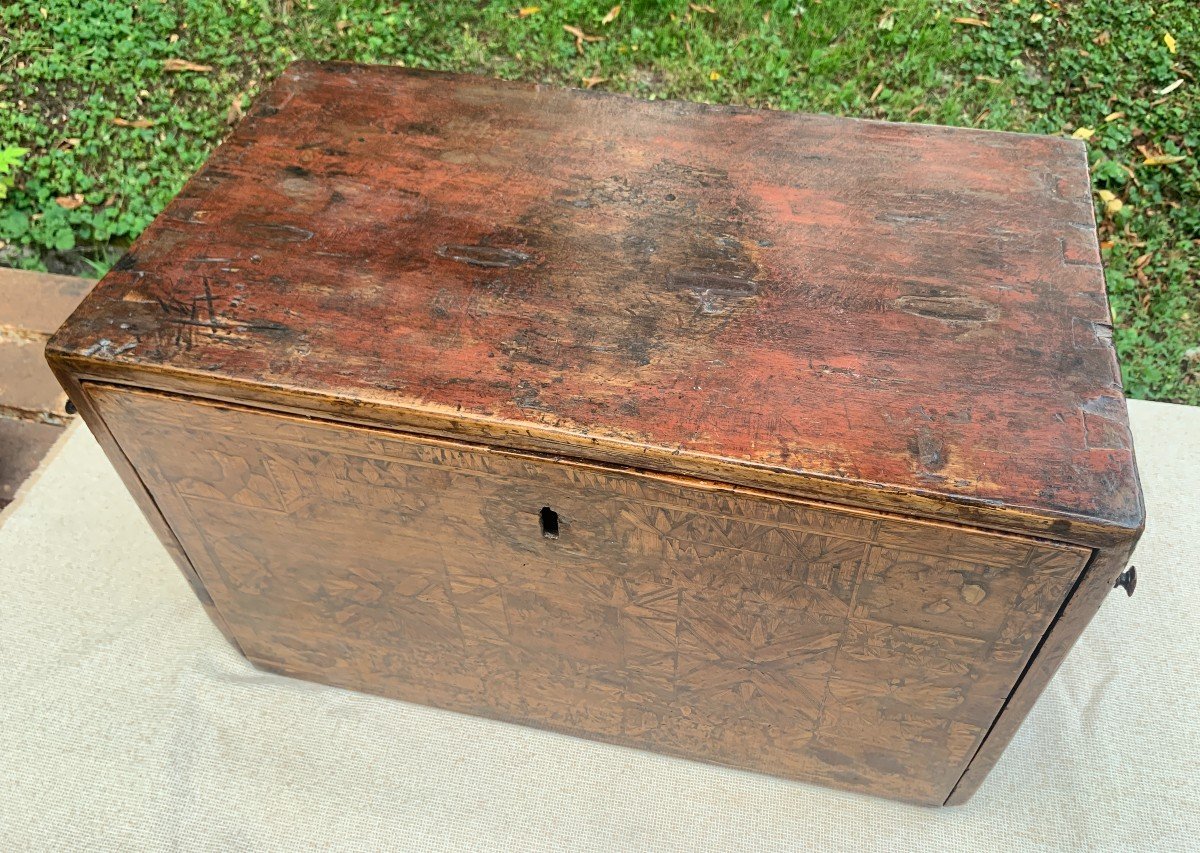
<point x="96" y="135"/>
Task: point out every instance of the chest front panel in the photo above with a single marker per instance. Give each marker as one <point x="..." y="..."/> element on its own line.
<point x="809" y="641"/>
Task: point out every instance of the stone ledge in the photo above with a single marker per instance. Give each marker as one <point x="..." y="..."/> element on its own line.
<point x="32" y="405"/>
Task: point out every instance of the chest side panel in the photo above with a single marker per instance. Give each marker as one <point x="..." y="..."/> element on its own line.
<point x="849" y="648"/>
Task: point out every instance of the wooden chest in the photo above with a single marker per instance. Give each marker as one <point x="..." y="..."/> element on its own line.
<point x="786" y="442"/>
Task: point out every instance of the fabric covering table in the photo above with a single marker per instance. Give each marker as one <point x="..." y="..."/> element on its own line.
<point x="127" y="722"/>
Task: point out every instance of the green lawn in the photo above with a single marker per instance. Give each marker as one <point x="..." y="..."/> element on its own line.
<point x="96" y="134"/>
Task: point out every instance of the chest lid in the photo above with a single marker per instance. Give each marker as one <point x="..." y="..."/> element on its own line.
<point x="895" y="316"/>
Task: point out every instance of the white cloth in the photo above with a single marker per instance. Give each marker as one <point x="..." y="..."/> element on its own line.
<point x="127" y="722"/>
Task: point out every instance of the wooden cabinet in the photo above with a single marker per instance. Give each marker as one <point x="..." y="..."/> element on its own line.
<point x="785" y="442"/>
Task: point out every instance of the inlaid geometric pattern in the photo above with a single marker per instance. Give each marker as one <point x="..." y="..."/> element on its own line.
<point x="846" y="647"/>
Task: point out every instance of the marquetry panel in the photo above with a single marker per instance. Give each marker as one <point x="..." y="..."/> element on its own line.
<point x="851" y="648"/>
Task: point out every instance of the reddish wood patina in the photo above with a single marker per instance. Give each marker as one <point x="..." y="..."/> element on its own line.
<point x="911" y="307"/>
<point x="679" y="321"/>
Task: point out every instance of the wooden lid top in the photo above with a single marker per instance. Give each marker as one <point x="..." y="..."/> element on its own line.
<point x="891" y="315"/>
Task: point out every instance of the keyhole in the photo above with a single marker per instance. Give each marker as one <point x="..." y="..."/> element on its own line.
<point x="549" y="521"/>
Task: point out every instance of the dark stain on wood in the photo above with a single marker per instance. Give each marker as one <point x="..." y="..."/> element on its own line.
<point x="711" y="291"/>
<point x="126" y="262"/>
<point x="929" y="451"/>
<point x="492" y="257"/>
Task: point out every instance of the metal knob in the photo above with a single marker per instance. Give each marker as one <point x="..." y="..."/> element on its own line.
<point x="1127" y="580"/>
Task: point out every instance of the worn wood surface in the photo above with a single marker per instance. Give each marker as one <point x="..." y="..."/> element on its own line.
<point x="846" y="647"/>
<point x="790" y="383"/>
<point x="893" y="316"/>
<point x="137" y="489"/>
<point x="1092" y="589"/>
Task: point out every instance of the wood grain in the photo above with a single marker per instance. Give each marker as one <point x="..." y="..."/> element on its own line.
<point x="1078" y="609"/>
<point x="78" y="394"/>
<point x="894" y="316"/>
<point x="850" y="648"/>
<point x="826" y="414"/>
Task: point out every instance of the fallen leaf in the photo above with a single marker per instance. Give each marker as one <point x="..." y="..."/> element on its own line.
<point x="696" y="7"/>
<point x="580" y="36"/>
<point x="1169" y="89"/>
<point x="714" y="75"/>
<point x="875" y="94"/>
<point x="1111" y="203"/>
<point x="1162" y="160"/>
<point x="70" y="142"/>
<point x="578" y="33"/>
<point x="1107" y="244"/>
<point x="174" y="37"/>
<point x="589" y="82"/>
<point x="1169" y="41"/>
<point x="1142" y="260"/>
<point x="1102" y="39"/>
<point x="526" y="11"/>
<point x="1114" y="116"/>
<point x="141" y="122"/>
<point x="177" y="65"/>
<point x="888" y="21"/>
<point x="971" y="22"/>
<point x="1035" y="17"/>
<point x="70" y="202"/>
<point x="235" y="112"/>
<point x="612" y="15"/>
<point x="1083" y="133"/>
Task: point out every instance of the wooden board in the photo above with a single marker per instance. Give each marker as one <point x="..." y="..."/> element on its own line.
<point x="893" y="316"/>
<point x="852" y="648"/>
